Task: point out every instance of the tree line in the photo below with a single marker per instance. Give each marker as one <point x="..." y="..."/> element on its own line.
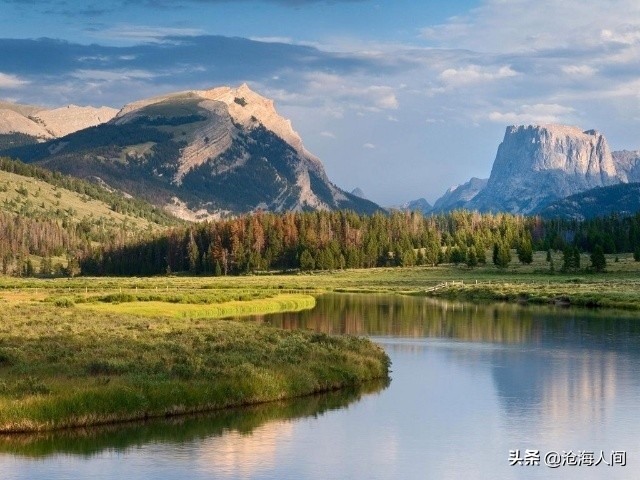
<point x="330" y="240"/>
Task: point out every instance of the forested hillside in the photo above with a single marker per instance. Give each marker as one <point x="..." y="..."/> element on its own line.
<point x="49" y="220"/>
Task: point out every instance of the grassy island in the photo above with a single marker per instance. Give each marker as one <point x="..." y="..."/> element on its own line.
<point x="65" y="365"/>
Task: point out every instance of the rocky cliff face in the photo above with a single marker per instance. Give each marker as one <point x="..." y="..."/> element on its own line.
<point x="628" y="165"/>
<point x="537" y="164"/>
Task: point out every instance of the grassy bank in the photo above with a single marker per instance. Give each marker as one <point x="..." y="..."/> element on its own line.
<point x="574" y="292"/>
<point x="539" y="282"/>
<point x="60" y="367"/>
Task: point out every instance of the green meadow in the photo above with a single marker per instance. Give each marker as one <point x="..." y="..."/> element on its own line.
<point x="86" y="351"/>
<point x="70" y="359"/>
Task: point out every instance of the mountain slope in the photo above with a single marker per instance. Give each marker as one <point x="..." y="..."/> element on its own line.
<point x="623" y="199"/>
<point x="203" y="153"/>
<point x="39" y="194"/>
<point x="420" y="205"/>
<point x="628" y="165"/>
<point x="459" y="195"/>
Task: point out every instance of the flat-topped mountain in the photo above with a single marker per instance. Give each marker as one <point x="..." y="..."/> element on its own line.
<point x="202" y="154"/>
<point x="537" y="164"/>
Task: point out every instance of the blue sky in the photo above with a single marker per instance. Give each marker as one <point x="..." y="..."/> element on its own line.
<point x="400" y="98"/>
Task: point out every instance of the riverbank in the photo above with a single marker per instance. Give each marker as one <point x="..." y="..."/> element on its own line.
<point x="595" y="294"/>
<point x="63" y="366"/>
<point x="539" y="283"/>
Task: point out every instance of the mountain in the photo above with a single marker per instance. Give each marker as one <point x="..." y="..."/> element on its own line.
<point x="419" y="205"/>
<point x="538" y="164"/>
<point x="42" y="123"/>
<point x="623" y="199"/>
<point x="358" y="192"/>
<point x="201" y="154"/>
<point x="459" y="195"/>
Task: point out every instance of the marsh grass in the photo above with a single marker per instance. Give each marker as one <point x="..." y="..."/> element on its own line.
<point x="62" y="367"/>
<point x="233" y="308"/>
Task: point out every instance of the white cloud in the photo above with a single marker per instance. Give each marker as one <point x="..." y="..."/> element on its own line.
<point x="624" y="35"/>
<point x="288" y="40"/>
<point x="471" y="74"/>
<point x="535" y="114"/>
<point x="327" y="134"/>
<point x="525" y="25"/>
<point x="334" y="94"/>
<point x="369" y="146"/>
<point x="8" y="81"/>
<point x="579" y="70"/>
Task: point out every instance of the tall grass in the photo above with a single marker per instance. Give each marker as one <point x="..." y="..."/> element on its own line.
<point x="62" y="367"/>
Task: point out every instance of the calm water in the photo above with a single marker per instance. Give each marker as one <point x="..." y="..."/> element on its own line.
<point x="469" y="384"/>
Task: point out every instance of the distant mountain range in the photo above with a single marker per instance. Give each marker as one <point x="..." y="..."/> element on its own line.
<point x="200" y="154"/>
<point x="537" y="166"/>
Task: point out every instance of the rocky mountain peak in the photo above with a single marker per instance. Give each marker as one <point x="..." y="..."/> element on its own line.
<point x="247" y="107"/>
<point x="536" y="164"/>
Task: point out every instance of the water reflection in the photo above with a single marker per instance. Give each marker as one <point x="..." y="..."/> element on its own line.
<point x="419" y="317"/>
<point x="470" y="382"/>
<point x="245" y="422"/>
<point x="549" y="377"/>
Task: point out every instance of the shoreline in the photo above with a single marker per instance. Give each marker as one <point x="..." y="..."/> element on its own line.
<point x="61" y="368"/>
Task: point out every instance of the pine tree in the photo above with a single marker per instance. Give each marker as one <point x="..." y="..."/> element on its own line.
<point x="472" y="259"/>
<point x="598" y="261"/>
<point x="503" y="256"/>
<point x="193" y="253"/>
<point x="306" y="261"/>
<point x="525" y="249"/>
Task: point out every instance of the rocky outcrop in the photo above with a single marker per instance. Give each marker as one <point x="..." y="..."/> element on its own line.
<point x="63" y="121"/>
<point x="458" y="196"/>
<point x="537" y="164"/>
<point x="50" y="123"/>
<point x="627" y="165"/>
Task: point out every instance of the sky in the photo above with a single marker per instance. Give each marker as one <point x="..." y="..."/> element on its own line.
<point x="399" y="98"/>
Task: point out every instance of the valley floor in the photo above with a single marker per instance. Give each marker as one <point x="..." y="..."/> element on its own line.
<point x="84" y="351"/>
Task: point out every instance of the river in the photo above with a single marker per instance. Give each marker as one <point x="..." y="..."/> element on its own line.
<point x="474" y="388"/>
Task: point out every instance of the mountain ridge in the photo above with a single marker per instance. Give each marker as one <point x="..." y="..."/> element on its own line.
<point x="47" y="123"/>
<point x="205" y="153"/>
